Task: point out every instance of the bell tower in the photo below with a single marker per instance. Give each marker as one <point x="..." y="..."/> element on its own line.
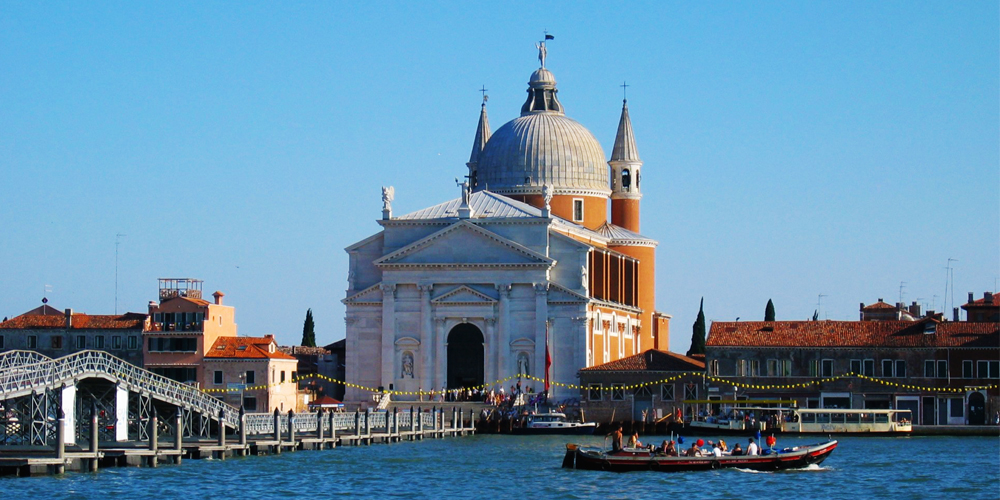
<point x="625" y="176"/>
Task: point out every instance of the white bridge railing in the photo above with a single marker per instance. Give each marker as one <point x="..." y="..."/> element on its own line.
<point x="378" y="421"/>
<point x="21" y="379"/>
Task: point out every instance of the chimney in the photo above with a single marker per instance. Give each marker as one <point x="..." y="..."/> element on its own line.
<point x="915" y="309"/>
<point x="954" y="313"/>
<point x="69" y="318"/>
<point x="971" y="297"/>
<point x="880" y="299"/>
<point x="218" y="297"/>
<point x="988" y="297"/>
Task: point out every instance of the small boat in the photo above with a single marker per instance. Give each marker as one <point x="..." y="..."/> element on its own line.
<point x="631" y="459"/>
<point x="554" y="423"/>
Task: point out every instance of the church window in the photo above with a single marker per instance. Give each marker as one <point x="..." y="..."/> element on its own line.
<point x="594" y="392"/>
<point x="626" y="179"/>
<point x="637" y="177"/>
<point x="577" y="210"/>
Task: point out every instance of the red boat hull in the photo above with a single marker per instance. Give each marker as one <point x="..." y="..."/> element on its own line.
<point x="626" y="461"/>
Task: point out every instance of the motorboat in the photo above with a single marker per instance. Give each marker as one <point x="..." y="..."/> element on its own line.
<point x="554" y="423"/>
<point x="633" y="459"/>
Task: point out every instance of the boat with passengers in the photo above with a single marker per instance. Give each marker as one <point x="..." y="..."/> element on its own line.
<point x="637" y="459"/>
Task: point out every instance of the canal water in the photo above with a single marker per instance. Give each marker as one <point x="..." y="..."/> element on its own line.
<point x="527" y="468"/>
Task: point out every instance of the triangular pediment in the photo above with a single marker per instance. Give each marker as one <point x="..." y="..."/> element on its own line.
<point x="559" y="293"/>
<point x="372" y="294"/>
<point x="464" y="295"/>
<point x="464" y="244"/>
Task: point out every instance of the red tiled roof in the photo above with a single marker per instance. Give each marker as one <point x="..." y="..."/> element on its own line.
<point x="245" y="348"/>
<point x="652" y="360"/>
<point x="200" y="302"/>
<point x="852" y="334"/>
<point x="127" y="321"/>
<point x="878" y="305"/>
<point x="325" y="400"/>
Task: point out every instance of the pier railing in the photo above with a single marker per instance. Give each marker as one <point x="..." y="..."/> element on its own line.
<point x="20" y="379"/>
<point x="263" y="423"/>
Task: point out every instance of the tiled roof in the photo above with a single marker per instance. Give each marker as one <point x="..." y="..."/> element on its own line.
<point x="852" y="334"/>
<point x="303" y="350"/>
<point x="981" y="302"/>
<point x="245" y="348"/>
<point x="878" y="305"/>
<point x="200" y="302"/>
<point x="127" y="321"/>
<point x="651" y="360"/>
<point x="483" y="204"/>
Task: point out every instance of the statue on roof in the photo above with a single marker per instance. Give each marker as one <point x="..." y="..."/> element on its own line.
<point x="547" y="192"/>
<point x="541" y="52"/>
<point x="388" y="194"/>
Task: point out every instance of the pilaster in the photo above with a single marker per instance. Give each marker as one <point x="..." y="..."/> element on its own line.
<point x="386" y="360"/>
<point x="426" y="336"/>
<point x="541" y="325"/>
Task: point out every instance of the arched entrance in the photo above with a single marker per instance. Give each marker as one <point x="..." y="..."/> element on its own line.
<point x="977" y="409"/>
<point x="465" y="356"/>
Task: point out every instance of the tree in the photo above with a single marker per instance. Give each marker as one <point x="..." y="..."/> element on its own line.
<point x="769" y="311"/>
<point x="698" y="332"/>
<point x="308" y="330"/>
<point x="816" y="315"/>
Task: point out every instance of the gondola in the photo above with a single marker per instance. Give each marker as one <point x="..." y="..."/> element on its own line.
<point x="631" y="459"/>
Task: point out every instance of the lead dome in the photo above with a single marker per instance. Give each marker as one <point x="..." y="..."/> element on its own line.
<point x="542" y="146"/>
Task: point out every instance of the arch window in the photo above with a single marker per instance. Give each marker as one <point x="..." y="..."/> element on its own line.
<point x="626" y="179"/>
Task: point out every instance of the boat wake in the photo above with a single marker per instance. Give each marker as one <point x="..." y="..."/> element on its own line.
<point x="809" y="468"/>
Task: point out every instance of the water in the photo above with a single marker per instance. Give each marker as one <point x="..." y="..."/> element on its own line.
<point x="517" y="467"/>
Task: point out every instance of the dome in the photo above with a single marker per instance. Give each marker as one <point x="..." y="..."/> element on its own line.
<point x="543" y="146"/>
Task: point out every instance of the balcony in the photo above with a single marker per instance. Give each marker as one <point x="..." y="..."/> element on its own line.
<point x="160" y="326"/>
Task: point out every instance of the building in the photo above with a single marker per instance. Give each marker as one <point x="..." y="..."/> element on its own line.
<point x="182" y="328"/>
<point x="523" y="263"/>
<point x="252" y="371"/>
<point x="645" y="386"/>
<point x="334" y="366"/>
<point x="883" y="311"/>
<point x="55" y="333"/>
<point x="986" y="309"/>
<point x="945" y="372"/>
<point x="315" y="370"/>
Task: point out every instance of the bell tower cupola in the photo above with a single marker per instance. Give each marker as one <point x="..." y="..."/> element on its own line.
<point x="625" y="176"/>
<point x="482" y="137"/>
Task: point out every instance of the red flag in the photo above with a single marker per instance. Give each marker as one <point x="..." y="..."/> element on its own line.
<point x="548" y="363"/>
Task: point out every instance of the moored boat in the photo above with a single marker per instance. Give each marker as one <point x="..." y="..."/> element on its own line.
<point x="628" y="459"/>
<point x="554" y="423"/>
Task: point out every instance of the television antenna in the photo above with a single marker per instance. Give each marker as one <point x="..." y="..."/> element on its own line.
<point x="949" y="280"/>
<point x="902" y="285"/>
<point x="819" y="304"/>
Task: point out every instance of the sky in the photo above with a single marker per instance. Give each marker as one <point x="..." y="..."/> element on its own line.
<point x="819" y="154"/>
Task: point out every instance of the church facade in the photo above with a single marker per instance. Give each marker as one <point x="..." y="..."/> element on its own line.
<point x="523" y="267"/>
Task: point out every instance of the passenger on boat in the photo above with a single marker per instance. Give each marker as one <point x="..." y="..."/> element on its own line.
<point x="752" y="448"/>
<point x="715" y="449"/>
<point x="737" y="451"/>
<point x="722" y="446"/>
<point x="616" y="439"/>
<point x="694" y="451"/>
<point x="633" y="442"/>
<point x="671" y="450"/>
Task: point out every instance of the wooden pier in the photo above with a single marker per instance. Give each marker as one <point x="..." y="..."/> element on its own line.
<point x="285" y="433"/>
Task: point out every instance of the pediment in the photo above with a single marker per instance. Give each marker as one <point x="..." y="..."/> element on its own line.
<point x="559" y="293"/>
<point x="371" y="294"/>
<point x="523" y="343"/>
<point x="464" y="244"/>
<point x="464" y="295"/>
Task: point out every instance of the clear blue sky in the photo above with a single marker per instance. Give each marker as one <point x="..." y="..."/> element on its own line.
<point x="791" y="149"/>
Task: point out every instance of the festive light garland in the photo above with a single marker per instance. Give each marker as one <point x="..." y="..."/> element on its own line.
<point x="625" y="387"/>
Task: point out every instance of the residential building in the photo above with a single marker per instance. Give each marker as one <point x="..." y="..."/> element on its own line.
<point x="643" y="387"/>
<point x="986" y="309"/>
<point x="182" y="327"/>
<point x="55" y="333"/>
<point x="252" y="371"/>
<point x="945" y="372"/>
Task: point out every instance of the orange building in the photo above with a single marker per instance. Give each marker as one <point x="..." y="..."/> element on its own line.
<point x="253" y="372"/>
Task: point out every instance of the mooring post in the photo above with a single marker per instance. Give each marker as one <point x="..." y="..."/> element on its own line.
<point x="291" y="429"/>
<point x="333" y="431"/>
<point x="277" y="431"/>
<point x="60" y="442"/>
<point x="395" y="423"/>
<point x="154" y="440"/>
<point x="243" y="431"/>
<point x="222" y="433"/>
<point x="413" y="424"/>
<point x="319" y="429"/>
<point x="179" y="435"/>
<point x="454" y="418"/>
<point x="94" y="435"/>
<point x="368" y="425"/>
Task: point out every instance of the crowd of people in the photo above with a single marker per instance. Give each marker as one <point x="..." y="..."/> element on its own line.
<point x="671" y="448"/>
<point x="495" y="396"/>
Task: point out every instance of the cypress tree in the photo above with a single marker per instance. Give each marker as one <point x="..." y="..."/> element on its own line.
<point x="698" y="332"/>
<point x="308" y="330"/>
<point x="816" y="315"/>
<point x="769" y="311"/>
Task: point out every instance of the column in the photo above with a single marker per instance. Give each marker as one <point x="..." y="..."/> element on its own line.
<point x="121" y="413"/>
<point x="67" y="402"/>
<point x="426" y="338"/>
<point x="439" y="353"/>
<point x="503" y="342"/>
<point x="541" y="322"/>
<point x="491" y="347"/>
<point x="553" y="348"/>
<point x="388" y="333"/>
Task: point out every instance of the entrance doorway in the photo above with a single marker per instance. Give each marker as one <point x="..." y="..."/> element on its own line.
<point x="465" y="356"/>
<point x="977" y="409"/>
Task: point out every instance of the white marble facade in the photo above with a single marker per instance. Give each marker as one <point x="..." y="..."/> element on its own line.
<point x="514" y="278"/>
